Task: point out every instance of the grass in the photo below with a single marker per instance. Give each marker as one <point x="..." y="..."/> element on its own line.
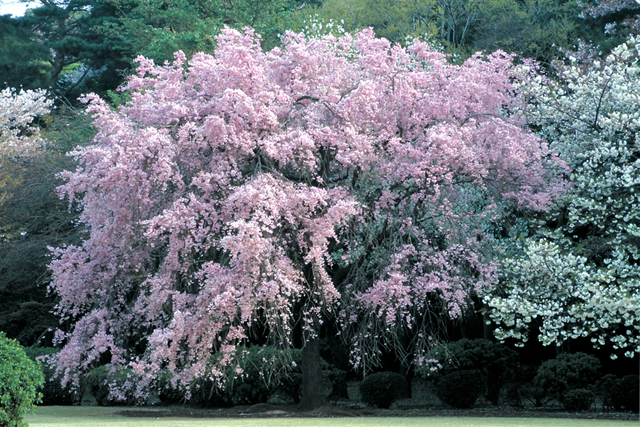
<point x="93" y="416"/>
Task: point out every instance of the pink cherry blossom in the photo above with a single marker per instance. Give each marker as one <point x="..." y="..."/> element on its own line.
<point x="233" y="186"/>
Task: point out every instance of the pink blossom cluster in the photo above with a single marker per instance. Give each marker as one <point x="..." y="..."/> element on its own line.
<point x="217" y="200"/>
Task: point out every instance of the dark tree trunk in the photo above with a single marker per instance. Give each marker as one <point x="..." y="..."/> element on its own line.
<point x="487" y="330"/>
<point x="312" y="393"/>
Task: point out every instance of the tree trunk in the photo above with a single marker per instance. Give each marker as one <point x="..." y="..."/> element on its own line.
<point x="312" y="393"/>
<point x="487" y="330"/>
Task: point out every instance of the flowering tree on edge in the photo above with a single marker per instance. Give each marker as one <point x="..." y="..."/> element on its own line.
<point x="581" y="277"/>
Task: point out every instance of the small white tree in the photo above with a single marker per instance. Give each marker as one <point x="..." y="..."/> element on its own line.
<point x="582" y="278"/>
<point x="17" y="111"/>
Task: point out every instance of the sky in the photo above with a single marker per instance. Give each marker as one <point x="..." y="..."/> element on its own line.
<point x="13" y="7"/>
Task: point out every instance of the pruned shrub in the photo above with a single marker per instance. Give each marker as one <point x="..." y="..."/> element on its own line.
<point x="578" y="399"/>
<point x="497" y="364"/>
<point x="20" y="380"/>
<point x="566" y="372"/>
<point x="338" y="379"/>
<point x="626" y="395"/>
<point x="52" y="391"/>
<point x="608" y="390"/>
<point x="461" y="388"/>
<point x="383" y="388"/>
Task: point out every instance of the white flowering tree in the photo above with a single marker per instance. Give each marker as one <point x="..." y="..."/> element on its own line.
<point x="17" y="111"/>
<point x="581" y="276"/>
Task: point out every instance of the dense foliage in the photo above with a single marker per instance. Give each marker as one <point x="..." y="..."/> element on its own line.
<point x="533" y="29"/>
<point x="52" y="391"/>
<point x="77" y="46"/>
<point x="382" y="389"/>
<point x="235" y="190"/>
<point x="20" y="380"/>
<point x="460" y="388"/>
<point x="32" y="216"/>
<point x="567" y="372"/>
<point x="496" y="364"/>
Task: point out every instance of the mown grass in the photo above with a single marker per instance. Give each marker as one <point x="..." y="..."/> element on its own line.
<point x="93" y="416"/>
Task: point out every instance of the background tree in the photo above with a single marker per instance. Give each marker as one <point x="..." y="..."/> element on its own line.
<point x="79" y="56"/>
<point x="227" y="198"/>
<point x="23" y="61"/>
<point x="579" y="275"/>
<point x="32" y="217"/>
<point x="533" y="29"/>
<point x="619" y="15"/>
<point x="90" y="45"/>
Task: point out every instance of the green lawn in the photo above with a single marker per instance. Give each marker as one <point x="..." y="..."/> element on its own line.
<point x="94" y="416"/>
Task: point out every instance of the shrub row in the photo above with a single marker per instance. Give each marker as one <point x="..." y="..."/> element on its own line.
<point x="471" y="368"/>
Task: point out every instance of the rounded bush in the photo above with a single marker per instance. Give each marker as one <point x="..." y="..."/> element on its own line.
<point x="626" y="394"/>
<point x="498" y="364"/>
<point x="460" y="389"/>
<point x="20" y="380"/>
<point x="566" y="372"/>
<point x="578" y="399"/>
<point x="383" y="388"/>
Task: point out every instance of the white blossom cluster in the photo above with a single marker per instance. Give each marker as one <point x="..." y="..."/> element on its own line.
<point x="583" y="278"/>
<point x="17" y="111"/>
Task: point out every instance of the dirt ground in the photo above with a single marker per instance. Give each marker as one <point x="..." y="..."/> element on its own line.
<point x="423" y="403"/>
<point x="263" y="410"/>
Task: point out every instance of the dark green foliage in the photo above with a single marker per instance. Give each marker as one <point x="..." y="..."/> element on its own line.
<point x="383" y="388"/>
<point x="23" y="61"/>
<point x="166" y="392"/>
<point x="80" y="46"/>
<point x="20" y="379"/>
<point x="578" y="399"/>
<point x="52" y="391"/>
<point x="460" y="389"/>
<point x="519" y="391"/>
<point x="265" y="371"/>
<point x="262" y="376"/>
<point x="566" y="372"/>
<point x="80" y="58"/>
<point x="606" y="389"/>
<point x="531" y="28"/>
<point x="618" y="394"/>
<point x="627" y="393"/>
<point x="100" y="378"/>
<point x="338" y="380"/>
<point x="32" y="218"/>
<point x="497" y="364"/>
